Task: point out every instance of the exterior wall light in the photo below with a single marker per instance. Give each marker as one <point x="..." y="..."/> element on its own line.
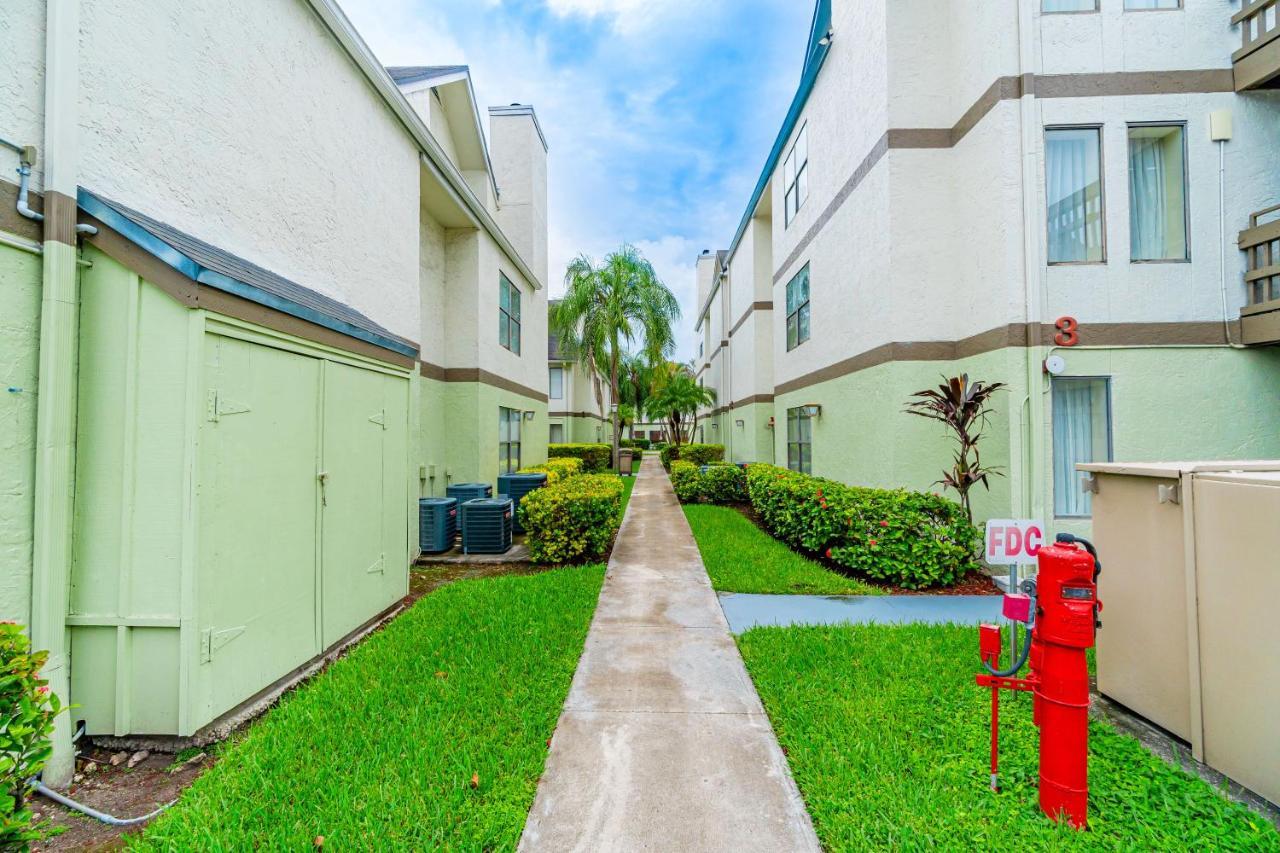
<point x="811" y="410"/>
<point x="770" y="423"/>
<point x="528" y="416"/>
<point x="740" y="424"/>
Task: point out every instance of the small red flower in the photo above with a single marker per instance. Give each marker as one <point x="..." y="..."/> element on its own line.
<point x="872" y="543"/>
<point x="819" y="492"/>
<point x="884" y="524"/>
<point x="824" y="504"/>
<point x="828" y="553"/>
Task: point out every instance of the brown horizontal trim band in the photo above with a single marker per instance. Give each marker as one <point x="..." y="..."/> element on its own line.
<point x="1208" y="333"/>
<point x="192" y="295"/>
<point x="745" y="401"/>
<point x="431" y="371"/>
<point x="864" y="168"/>
<point x="1110" y="84"/>
<point x="14" y="222"/>
<point x="493" y="380"/>
<point x="754" y="307"/>
<point x="591" y="415"/>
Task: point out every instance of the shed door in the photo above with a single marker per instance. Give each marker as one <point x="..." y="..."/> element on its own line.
<point x="365" y="496"/>
<point x="259" y="447"/>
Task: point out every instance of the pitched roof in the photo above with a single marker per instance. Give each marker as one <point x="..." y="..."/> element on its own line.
<point x="213" y="267"/>
<point x="405" y="75"/>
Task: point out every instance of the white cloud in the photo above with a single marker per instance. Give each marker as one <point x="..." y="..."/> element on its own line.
<point x="632" y="17"/>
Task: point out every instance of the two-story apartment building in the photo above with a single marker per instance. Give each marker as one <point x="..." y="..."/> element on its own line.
<point x="258" y="295"/>
<point x="1044" y="193"/>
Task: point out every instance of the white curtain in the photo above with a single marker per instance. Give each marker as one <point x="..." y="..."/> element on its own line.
<point x="1073" y="443"/>
<point x="1067" y="168"/>
<point x="1148" y="199"/>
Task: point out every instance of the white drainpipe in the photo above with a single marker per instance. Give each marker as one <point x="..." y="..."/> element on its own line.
<point x="56" y="407"/>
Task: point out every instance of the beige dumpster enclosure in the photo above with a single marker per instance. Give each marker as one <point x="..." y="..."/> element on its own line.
<point x="1190" y="586"/>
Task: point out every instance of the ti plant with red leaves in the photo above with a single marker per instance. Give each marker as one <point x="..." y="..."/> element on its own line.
<point x="963" y="406"/>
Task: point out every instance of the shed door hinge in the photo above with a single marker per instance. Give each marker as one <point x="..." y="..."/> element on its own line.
<point x="379" y="567"/>
<point x="380" y="419"/>
<point x="211" y="640"/>
<point x="216" y="406"/>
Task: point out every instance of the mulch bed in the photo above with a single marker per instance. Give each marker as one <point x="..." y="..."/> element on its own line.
<point x="975" y="583"/>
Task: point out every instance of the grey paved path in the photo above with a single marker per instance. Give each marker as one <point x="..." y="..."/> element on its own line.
<point x="746" y="611"/>
<point x="663" y="743"/>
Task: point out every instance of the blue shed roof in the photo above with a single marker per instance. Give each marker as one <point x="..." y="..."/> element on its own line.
<point x="210" y="266"/>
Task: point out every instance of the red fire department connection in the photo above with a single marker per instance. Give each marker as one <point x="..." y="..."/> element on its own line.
<point x="1060" y="608"/>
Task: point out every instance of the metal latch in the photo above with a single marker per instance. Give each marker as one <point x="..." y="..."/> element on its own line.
<point x="1089" y="483"/>
<point x="1169" y="494"/>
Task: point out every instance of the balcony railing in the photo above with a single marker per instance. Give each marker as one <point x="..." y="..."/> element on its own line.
<point x="1260" y="319"/>
<point x="1257" y="62"/>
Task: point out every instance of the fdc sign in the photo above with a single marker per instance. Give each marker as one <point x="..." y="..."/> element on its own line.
<point x="1013" y="541"/>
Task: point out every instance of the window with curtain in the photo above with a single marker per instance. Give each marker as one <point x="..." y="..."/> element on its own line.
<point x="799" y="441"/>
<point x="1157" y="193"/>
<point x="1073" y="194"/>
<point x="1140" y="5"/>
<point x="556" y="383"/>
<point x="1069" y="6"/>
<point x="798" y="309"/>
<point x="795" y="175"/>
<point x="1081" y="433"/>
<point x="509" y="440"/>
<point x="557" y="434"/>
<point x="508" y="314"/>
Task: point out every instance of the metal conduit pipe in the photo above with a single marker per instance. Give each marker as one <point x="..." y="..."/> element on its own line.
<point x="24" y="188"/>
<point x="111" y="820"/>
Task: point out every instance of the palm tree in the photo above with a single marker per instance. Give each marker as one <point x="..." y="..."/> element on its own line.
<point x="610" y="307"/>
<point x="678" y="398"/>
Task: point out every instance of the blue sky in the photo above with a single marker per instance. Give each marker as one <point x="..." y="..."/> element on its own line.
<point x="659" y="113"/>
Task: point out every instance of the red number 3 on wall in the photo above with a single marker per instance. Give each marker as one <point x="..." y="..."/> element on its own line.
<point x="1068" y="332"/>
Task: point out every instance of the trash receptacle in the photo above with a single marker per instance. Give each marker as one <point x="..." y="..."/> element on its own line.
<point x="626" y="457"/>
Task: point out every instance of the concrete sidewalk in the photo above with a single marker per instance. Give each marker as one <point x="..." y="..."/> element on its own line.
<point x="663" y="743"/>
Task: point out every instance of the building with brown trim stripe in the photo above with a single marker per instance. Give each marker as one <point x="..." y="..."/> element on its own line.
<point x="1052" y="194"/>
<point x="260" y="294"/>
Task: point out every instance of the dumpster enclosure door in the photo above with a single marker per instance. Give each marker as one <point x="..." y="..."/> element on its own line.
<point x="365" y="492"/>
<point x="257" y="494"/>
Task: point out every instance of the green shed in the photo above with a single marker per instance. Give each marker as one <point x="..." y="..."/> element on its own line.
<point x="243" y="483"/>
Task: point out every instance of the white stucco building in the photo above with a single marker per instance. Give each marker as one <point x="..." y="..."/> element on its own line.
<point x="1044" y="193"/>
<point x="259" y="295"/>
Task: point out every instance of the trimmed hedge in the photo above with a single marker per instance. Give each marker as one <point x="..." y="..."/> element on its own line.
<point x="556" y="469"/>
<point x="910" y="539"/>
<point x="638" y="443"/>
<point x="573" y="521"/>
<point x="595" y="457"/>
<point x="686" y="480"/>
<point x="698" y="454"/>
<point x="720" y="483"/>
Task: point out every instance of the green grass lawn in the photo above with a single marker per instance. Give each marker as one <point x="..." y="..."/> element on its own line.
<point x="888" y="738"/>
<point x="741" y="557"/>
<point x="431" y="734"/>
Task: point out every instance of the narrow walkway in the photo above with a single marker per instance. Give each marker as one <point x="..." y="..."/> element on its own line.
<point x="663" y="743"/>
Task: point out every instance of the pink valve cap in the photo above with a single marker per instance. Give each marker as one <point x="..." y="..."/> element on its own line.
<point x="1017" y="607"/>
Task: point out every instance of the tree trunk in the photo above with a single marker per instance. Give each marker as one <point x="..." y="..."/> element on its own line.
<point x="613" y="400"/>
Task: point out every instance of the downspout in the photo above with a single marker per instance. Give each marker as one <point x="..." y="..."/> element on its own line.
<point x="1033" y="269"/>
<point x="56" y="406"/>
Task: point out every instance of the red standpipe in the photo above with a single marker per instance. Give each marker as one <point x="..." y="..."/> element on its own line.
<point x="1066" y="622"/>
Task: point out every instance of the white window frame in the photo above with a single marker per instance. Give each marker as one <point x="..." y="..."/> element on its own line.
<point x="1102" y="190"/>
<point x="1060" y="381"/>
<point x="1096" y="8"/>
<point x="796" y="416"/>
<point x="795" y="175"/>
<point x="1186" y="184"/>
<point x="509" y="319"/>
<point x="551" y="385"/>
<point x="512" y="419"/>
